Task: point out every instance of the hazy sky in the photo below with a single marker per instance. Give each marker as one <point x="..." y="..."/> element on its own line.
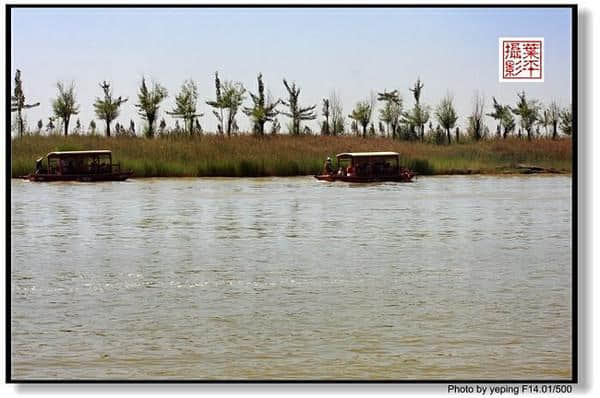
<point x="353" y="51"/>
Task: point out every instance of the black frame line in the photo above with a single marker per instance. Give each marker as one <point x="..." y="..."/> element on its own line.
<point x="574" y="259"/>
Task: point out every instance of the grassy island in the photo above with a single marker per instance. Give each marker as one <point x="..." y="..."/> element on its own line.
<point x="283" y="155"/>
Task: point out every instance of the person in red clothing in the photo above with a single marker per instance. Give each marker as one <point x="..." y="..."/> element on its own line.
<point x="350" y="170"/>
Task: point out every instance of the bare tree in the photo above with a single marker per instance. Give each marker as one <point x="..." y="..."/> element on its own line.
<point x="354" y="127"/>
<point x="326" y="113"/>
<point x="131" y="128"/>
<point x="372" y="131"/>
<point x="218" y="104"/>
<point x="544" y="120"/>
<point x="296" y="112"/>
<point x="78" y="129"/>
<point x="50" y="126"/>
<point x="275" y="127"/>
<point x="566" y="121"/>
<point x="336" y="111"/>
<point x="476" y="126"/>
<point x="198" y="128"/>
<point x="92" y="127"/>
<point x="162" y="126"/>
<point x="554" y="117"/>
<point x="18" y="102"/>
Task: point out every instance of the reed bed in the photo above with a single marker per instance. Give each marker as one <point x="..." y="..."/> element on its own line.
<point x="282" y="155"/>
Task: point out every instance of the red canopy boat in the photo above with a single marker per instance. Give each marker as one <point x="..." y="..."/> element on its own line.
<point x="368" y="167"/>
<point x="78" y="166"/>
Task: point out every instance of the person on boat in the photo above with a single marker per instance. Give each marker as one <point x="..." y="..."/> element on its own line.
<point x="350" y="170"/>
<point x="328" y="166"/>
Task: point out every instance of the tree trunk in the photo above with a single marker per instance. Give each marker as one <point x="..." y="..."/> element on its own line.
<point x="21" y="126"/>
<point x="364" y="130"/>
<point x="107" y="128"/>
<point x="150" y="127"/>
<point x="222" y="127"/>
<point x="449" y="139"/>
<point x="529" y="134"/>
<point x="66" y="120"/>
<point x="554" y="131"/>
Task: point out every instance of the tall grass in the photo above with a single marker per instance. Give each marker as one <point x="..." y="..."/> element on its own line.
<point x="245" y="156"/>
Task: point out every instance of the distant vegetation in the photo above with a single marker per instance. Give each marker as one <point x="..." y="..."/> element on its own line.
<point x="285" y="155"/>
<point x="527" y="117"/>
<point x="428" y="137"/>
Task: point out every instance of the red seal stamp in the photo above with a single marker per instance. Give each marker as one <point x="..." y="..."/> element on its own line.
<point x="521" y="59"/>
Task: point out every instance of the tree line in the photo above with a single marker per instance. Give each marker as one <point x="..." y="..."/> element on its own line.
<point x="394" y="121"/>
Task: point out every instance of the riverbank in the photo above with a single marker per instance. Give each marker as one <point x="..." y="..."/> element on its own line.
<point x="247" y="156"/>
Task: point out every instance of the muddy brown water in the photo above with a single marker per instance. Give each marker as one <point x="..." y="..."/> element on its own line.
<point x="291" y="278"/>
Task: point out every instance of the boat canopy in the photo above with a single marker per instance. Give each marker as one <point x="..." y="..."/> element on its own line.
<point x="348" y="155"/>
<point x="79" y="153"/>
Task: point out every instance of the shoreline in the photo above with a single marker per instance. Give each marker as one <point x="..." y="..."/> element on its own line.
<point x="285" y="156"/>
<point x="503" y="174"/>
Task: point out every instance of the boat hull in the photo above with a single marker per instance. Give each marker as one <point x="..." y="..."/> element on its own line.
<point x="120" y="176"/>
<point x="405" y="177"/>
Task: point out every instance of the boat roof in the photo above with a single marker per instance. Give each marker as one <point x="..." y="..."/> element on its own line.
<point x="76" y="153"/>
<point x="365" y="154"/>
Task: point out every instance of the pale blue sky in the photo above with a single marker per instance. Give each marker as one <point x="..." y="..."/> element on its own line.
<point x="352" y="51"/>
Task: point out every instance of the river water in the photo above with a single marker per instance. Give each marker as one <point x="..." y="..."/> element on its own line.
<point x="291" y="278"/>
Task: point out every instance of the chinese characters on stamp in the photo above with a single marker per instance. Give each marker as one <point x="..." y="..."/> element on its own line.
<point x="521" y="59"/>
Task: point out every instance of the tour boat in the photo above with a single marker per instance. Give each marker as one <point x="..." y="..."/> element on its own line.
<point x="78" y="166"/>
<point x="368" y="167"/>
